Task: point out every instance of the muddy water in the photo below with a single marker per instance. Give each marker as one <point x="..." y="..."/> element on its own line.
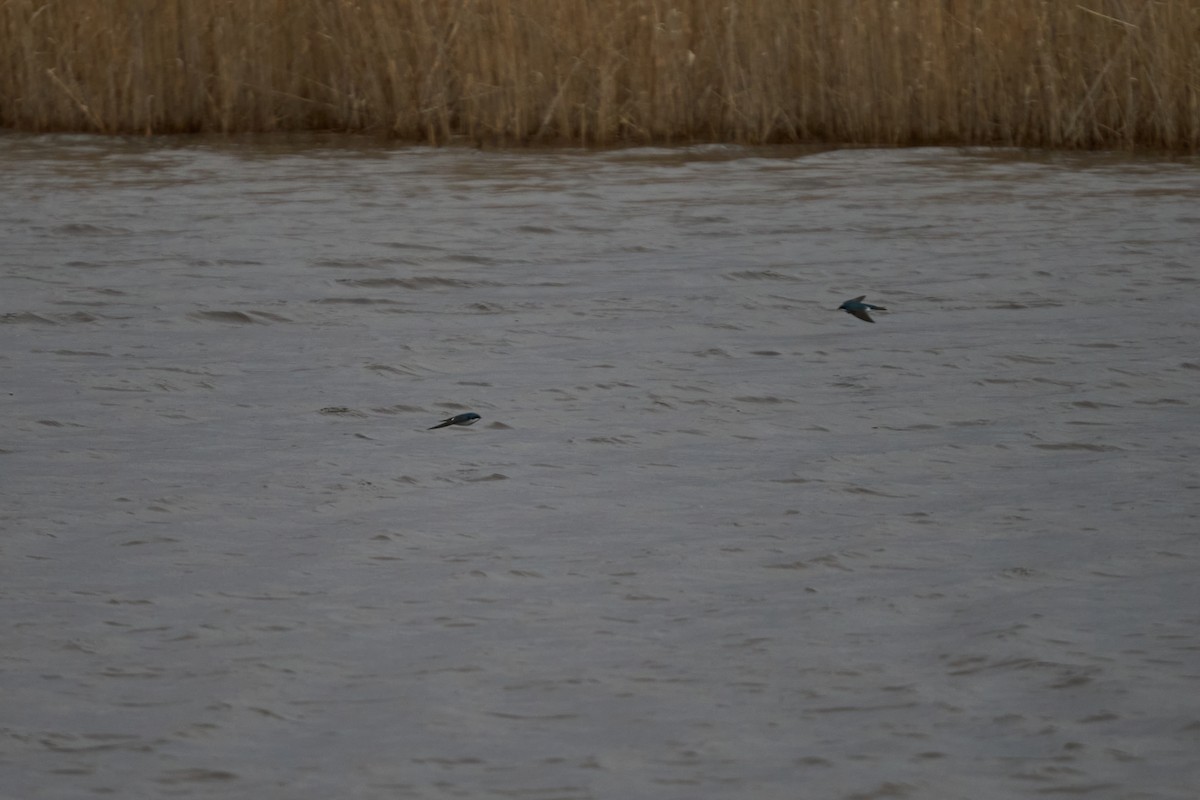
<point x="712" y="538"/>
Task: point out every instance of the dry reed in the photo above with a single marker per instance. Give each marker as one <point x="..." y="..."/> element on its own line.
<point x="1039" y="73"/>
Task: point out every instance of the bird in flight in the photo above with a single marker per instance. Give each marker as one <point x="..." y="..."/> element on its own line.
<point x="469" y="418"/>
<point x="859" y="309"/>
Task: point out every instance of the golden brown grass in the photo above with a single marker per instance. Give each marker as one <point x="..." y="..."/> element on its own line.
<point x="1042" y="73"/>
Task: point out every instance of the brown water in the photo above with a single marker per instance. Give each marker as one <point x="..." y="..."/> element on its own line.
<point x="712" y="539"/>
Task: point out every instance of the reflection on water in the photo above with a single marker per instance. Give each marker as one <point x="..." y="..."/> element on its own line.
<point x="711" y="538"/>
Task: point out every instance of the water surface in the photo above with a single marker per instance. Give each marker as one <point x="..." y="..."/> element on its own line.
<point x="712" y="539"/>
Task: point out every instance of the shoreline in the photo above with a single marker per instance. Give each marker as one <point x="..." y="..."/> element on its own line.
<point x="624" y="72"/>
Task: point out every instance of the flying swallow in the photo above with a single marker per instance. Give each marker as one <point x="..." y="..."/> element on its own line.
<point x="469" y="418"/>
<point x="859" y="309"/>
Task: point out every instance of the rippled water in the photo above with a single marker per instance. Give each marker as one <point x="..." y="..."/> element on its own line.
<point x="712" y="539"/>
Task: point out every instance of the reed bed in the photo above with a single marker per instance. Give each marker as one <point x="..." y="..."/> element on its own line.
<point x="1035" y="73"/>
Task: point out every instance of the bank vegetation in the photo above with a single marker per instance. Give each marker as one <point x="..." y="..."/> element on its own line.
<point x="1035" y="73"/>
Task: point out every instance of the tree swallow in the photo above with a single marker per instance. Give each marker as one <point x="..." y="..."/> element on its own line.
<point x="859" y="309"/>
<point x="469" y="418"/>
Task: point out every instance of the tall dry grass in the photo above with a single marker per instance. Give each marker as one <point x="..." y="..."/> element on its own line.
<point x="1094" y="73"/>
